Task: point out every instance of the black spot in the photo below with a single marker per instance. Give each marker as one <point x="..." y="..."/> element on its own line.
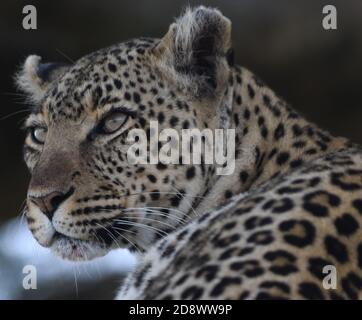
<point x="98" y="92"/>
<point x="305" y="232"/>
<point x="282" y="158"/>
<point x="136" y="97"/>
<point x="228" y="253"/>
<point x="238" y="79"/>
<point x="249" y="268"/>
<point x="140" y="51"/>
<point x="152" y="178"/>
<point x="181" y="280"/>
<point x="190" y="173"/>
<point x="359" y="252"/>
<point x="289" y="190"/>
<point x="346" y="225"/>
<point x="352" y="285"/>
<point x="161" y="166"/>
<point x="195" y="234"/>
<point x="314" y="182"/>
<point x="261" y="121"/>
<point x="173" y="121"/>
<point x="244" y="295"/>
<point x="168" y="251"/>
<point x="336" y="248"/>
<point x="297" y="130"/>
<point x="161" y="117"/>
<point x="117" y="83"/>
<point x="278" y="254"/>
<point x="225" y="241"/>
<point x="251" y="91"/>
<point x="112" y="67"/>
<point x="238" y="99"/>
<point x="225" y="282"/>
<point x="175" y="201"/>
<point x="245" y="251"/>
<point x="192" y="292"/>
<point x="244" y="176"/>
<point x="283" y="270"/>
<point x="267" y="100"/>
<point x="155" y="195"/>
<point x="228" y="194"/>
<point x="209" y="272"/>
<point x="311" y="151"/>
<point x="185" y="125"/>
<point x="127" y="96"/>
<point x="312" y="202"/>
<point x="141" y="275"/>
<point x="261" y="237"/>
<point x="358" y="205"/>
<point x="299" y="144"/>
<point x="282" y="262"/>
<point x="296" y="163"/>
<point x="279" y="131"/>
<point x="142" y="121"/>
<point x="160" y="100"/>
<point x="316" y="266"/>
<point x="243" y="210"/>
<point x="264" y="132"/>
<point x="255" y="222"/>
<point x="229" y="225"/>
<point x="279" y="206"/>
<point x="341" y="180"/>
<point x="231" y="252"/>
<point x="283" y="205"/>
<point x="236" y="119"/>
<point x="310" y="290"/>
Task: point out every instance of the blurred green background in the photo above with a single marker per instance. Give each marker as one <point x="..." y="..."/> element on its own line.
<point x="317" y="71"/>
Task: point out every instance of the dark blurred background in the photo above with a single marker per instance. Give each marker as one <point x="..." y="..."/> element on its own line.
<point x="317" y="71"/>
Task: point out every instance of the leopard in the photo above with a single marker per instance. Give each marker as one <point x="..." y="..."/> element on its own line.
<point x="279" y="226"/>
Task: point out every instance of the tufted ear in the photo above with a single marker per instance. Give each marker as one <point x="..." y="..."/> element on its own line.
<point x="195" y="50"/>
<point x="34" y="77"/>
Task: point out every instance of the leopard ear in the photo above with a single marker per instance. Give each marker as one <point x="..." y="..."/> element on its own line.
<point x="195" y="49"/>
<point x="35" y="77"/>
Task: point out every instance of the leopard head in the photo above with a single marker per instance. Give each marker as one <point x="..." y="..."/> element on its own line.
<point x="85" y="197"/>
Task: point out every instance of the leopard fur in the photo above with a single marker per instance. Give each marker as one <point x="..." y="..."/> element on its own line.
<point x="292" y="206"/>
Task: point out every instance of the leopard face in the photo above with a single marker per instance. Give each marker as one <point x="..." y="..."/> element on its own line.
<point x="85" y="197"/>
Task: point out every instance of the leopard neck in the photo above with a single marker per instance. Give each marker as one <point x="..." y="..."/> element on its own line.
<point x="271" y="139"/>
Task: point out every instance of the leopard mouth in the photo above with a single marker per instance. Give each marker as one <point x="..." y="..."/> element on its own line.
<point x="73" y="249"/>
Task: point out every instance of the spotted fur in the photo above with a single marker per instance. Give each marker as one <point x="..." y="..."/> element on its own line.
<point x="292" y="206"/>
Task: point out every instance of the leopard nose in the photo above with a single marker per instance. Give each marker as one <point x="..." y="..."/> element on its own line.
<point x="49" y="203"/>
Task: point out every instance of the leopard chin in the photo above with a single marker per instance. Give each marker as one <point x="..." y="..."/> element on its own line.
<point x="72" y="249"/>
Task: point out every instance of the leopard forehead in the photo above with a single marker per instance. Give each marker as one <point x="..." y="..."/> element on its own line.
<point x="120" y="74"/>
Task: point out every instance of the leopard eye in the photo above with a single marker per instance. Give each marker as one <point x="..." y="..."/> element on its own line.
<point x="38" y="134"/>
<point x="114" y="122"/>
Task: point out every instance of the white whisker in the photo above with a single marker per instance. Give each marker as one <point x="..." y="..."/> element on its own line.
<point x="183" y="196"/>
<point x="152" y="220"/>
<point x="141" y="225"/>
